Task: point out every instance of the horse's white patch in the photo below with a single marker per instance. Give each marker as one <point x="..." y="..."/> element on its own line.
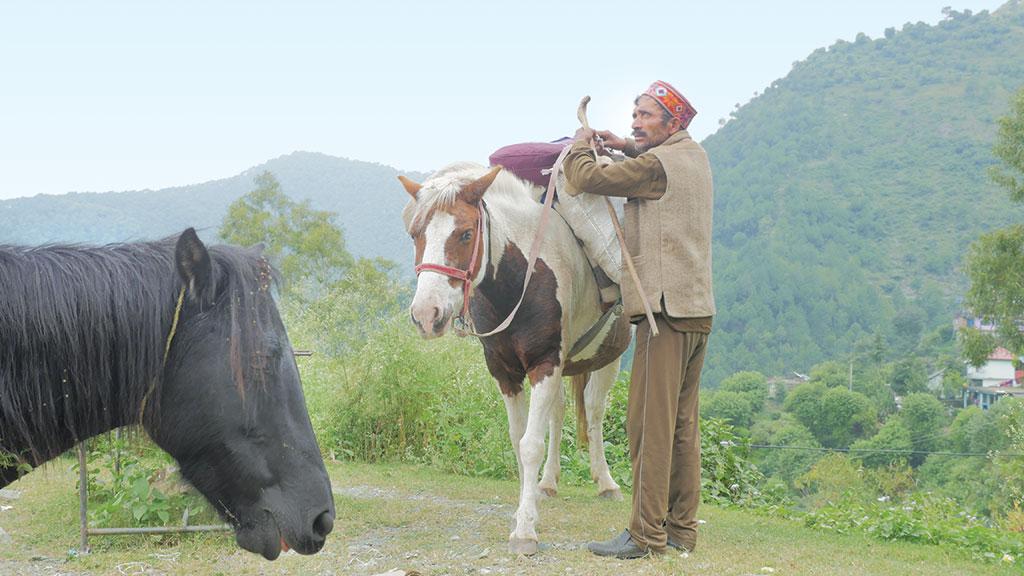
<point x="435" y="297"/>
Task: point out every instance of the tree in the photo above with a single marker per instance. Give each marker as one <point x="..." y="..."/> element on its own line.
<point x="786" y="465"/>
<point x="304" y="244"/>
<point x="924" y="417"/>
<point x="892" y="436"/>
<point x="1009" y="148"/>
<point x="995" y="263"/>
<point x="831" y="374"/>
<point x="909" y="376"/>
<point x="732" y="407"/>
<point x="845" y="416"/>
<point x="752" y="385"/>
<point x="836" y="416"/>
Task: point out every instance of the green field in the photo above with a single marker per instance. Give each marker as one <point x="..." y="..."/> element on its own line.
<point x="413" y="518"/>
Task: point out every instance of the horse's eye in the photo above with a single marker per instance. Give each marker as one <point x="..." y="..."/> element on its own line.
<point x="466" y="236"/>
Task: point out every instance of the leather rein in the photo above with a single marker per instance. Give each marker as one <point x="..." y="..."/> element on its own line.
<point x="463" y="323"/>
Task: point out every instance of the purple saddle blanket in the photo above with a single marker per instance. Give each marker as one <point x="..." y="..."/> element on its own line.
<point x="529" y="160"/>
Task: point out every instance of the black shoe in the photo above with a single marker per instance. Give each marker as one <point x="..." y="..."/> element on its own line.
<point x="622" y="547"/>
<point x="677" y="546"/>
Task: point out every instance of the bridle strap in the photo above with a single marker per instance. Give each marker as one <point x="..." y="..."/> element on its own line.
<point x="467" y="275"/>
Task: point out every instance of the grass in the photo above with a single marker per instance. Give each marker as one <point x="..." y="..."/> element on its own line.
<point x="409" y="517"/>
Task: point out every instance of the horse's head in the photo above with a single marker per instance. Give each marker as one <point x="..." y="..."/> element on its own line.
<point x="444" y="220"/>
<point x="231" y="408"/>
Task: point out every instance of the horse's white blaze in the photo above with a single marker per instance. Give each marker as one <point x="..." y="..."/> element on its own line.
<point x="435" y="297"/>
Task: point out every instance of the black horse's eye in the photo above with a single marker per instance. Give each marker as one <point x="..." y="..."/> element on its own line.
<point x="466" y="236"/>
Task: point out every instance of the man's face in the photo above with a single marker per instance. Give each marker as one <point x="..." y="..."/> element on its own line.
<point x="649" y="126"/>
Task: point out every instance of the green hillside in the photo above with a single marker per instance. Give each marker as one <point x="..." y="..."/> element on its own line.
<point x="847" y="193"/>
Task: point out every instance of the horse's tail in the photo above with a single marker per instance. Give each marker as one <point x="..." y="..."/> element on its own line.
<point x="579" y="384"/>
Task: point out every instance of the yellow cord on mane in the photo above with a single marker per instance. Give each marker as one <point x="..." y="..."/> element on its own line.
<point x="174" y="323"/>
<point x="167" y="350"/>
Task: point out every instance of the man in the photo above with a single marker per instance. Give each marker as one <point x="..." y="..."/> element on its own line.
<point x="667" y="181"/>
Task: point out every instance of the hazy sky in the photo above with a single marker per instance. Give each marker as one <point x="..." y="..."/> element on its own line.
<point x="121" y="95"/>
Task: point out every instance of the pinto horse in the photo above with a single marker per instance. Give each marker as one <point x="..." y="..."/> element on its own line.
<point x="469" y="226"/>
<point x="93" y="338"/>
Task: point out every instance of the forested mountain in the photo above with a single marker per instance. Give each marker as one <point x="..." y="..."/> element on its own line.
<point x="367" y="199"/>
<point x="846" y="195"/>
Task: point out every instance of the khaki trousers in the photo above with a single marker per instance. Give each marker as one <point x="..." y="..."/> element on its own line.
<point x="664" y="434"/>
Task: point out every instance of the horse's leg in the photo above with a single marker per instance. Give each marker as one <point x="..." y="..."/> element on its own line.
<point x="516" y="409"/>
<point x="523" y="539"/>
<point x="552" y="465"/>
<point x="596" y="398"/>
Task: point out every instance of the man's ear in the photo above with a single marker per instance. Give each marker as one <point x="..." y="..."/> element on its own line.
<point x="194" y="266"/>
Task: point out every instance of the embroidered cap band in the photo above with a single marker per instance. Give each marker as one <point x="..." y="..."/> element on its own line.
<point x="672" y="101"/>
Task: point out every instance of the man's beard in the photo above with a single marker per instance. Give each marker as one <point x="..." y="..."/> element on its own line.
<point x="641" y="148"/>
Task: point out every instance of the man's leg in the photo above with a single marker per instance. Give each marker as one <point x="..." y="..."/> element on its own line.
<point x="684" y="488"/>
<point x="650" y="423"/>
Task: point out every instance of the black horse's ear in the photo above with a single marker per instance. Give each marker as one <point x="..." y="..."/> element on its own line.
<point x="194" y="265"/>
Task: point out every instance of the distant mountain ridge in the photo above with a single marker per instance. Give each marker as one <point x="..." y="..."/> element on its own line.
<point x="363" y="195"/>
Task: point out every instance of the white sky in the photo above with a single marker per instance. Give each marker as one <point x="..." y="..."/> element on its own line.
<point x="120" y="95"/>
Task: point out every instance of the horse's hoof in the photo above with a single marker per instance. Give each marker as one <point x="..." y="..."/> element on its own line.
<point x="613" y="494"/>
<point x="549" y="492"/>
<point x="522" y="546"/>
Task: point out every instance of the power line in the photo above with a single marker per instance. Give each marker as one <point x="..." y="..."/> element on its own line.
<point x="869" y="450"/>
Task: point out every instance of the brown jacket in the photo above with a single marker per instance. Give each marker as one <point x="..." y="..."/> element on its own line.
<point x="669" y="234"/>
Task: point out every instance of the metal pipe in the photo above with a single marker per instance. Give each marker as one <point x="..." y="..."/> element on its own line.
<point x="83" y="496"/>
<point x="159" y="529"/>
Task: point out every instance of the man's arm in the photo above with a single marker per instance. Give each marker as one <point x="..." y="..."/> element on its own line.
<point x="640" y="177"/>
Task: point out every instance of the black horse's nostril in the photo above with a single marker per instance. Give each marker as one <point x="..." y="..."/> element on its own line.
<point x="323" y="524"/>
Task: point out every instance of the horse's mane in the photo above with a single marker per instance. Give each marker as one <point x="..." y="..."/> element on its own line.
<point x="83" y="332"/>
<point x="441" y="190"/>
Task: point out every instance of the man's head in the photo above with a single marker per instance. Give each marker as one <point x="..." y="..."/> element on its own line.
<point x="658" y="113"/>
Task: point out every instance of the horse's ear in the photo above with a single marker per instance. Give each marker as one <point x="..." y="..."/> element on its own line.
<point x="472" y="192"/>
<point x="411" y="187"/>
<point x="194" y="265"/>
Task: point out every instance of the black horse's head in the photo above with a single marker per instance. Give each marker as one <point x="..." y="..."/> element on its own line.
<point x="230" y="407"/>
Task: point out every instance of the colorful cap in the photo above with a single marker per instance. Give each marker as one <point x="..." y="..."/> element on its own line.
<point x="671" y="100"/>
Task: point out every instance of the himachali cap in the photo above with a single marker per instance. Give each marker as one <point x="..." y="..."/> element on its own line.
<point x="672" y="101"/>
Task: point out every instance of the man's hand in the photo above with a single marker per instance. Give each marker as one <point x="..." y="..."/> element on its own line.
<point x="584" y="135"/>
<point x="610" y="141"/>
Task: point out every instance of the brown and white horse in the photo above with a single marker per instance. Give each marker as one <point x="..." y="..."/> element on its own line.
<point x="475" y="226"/>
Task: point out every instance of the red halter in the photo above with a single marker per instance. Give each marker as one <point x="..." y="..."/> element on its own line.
<point x="467" y="275"/>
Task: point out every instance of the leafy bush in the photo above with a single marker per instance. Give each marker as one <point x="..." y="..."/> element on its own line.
<point x="786" y="465"/>
<point x="125" y="481"/>
<point x="924" y="518"/>
<point x="733" y="407"/>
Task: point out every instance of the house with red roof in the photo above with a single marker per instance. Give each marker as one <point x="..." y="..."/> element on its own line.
<point x="997" y="378"/>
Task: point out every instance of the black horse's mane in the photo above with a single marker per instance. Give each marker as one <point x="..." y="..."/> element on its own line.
<point x="83" y="332"/>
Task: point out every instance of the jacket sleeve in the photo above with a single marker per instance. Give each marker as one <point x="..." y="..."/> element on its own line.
<point x="640" y="177"/>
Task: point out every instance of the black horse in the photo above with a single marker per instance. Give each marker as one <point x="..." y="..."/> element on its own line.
<point x="92" y="338"/>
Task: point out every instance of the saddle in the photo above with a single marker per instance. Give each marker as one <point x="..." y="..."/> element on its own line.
<point x="586" y="214"/>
